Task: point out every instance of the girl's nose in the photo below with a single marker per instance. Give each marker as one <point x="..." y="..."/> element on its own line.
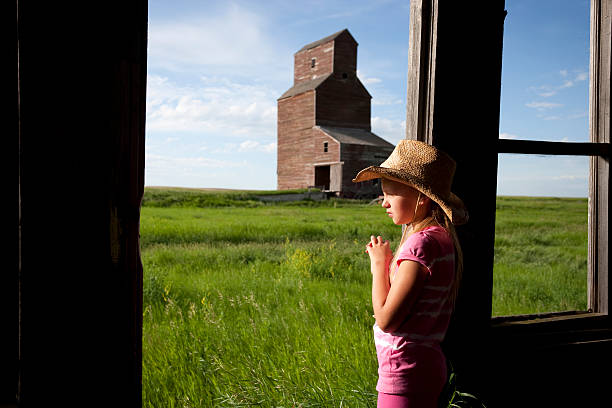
<point x="385" y="203"/>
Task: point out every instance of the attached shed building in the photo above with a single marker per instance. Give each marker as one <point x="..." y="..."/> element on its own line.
<point x="324" y="131"/>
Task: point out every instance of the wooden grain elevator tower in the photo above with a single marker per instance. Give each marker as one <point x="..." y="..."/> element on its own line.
<point x="324" y="132"/>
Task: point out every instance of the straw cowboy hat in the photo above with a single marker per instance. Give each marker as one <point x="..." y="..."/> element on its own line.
<point x="424" y="168"/>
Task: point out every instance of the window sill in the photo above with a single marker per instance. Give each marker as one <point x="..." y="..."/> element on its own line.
<point x="552" y="329"/>
<point x="500" y="321"/>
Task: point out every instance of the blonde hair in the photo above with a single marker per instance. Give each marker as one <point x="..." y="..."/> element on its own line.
<point x="436" y="216"/>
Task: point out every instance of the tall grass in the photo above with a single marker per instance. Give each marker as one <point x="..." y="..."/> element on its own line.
<point x="270" y="305"/>
<point x="540" y="255"/>
<point x="258" y="306"/>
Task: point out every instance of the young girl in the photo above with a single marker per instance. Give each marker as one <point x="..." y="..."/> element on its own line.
<point x="413" y="291"/>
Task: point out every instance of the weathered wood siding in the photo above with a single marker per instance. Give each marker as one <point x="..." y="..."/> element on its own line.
<point x="295" y="144"/>
<point x="324" y="62"/>
<point x="335" y="183"/>
<point x="331" y="157"/>
<point x="340" y="101"/>
<point x="356" y="158"/>
<point x="345" y="56"/>
<point x="343" y="103"/>
<point x="333" y="147"/>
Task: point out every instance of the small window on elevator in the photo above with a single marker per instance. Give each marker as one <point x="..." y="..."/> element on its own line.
<point x="325" y="147"/>
<point x="313" y="62"/>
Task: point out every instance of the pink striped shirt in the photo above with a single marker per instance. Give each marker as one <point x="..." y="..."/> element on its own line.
<point x="410" y="359"/>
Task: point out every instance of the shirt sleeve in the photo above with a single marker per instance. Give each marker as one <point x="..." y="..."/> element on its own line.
<point x="419" y="247"/>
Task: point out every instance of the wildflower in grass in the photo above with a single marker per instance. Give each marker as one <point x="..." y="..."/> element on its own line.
<point x="166" y="293"/>
<point x="300" y="261"/>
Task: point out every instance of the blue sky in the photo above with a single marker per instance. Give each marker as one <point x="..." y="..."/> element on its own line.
<point x="216" y="69"/>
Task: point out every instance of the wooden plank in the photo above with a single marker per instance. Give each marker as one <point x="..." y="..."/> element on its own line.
<point x="599" y="184"/>
<point x="537" y="317"/>
<point x="553" y="330"/>
<point x="421" y="69"/>
<point x="335" y="177"/>
<point x="553" y="148"/>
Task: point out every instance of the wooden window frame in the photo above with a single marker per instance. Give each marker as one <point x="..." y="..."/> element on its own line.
<point x="421" y="125"/>
<point x="599" y="179"/>
<point x="599" y="128"/>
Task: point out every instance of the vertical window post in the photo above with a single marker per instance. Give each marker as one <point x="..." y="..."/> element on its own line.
<point x="453" y="94"/>
<point x="599" y="185"/>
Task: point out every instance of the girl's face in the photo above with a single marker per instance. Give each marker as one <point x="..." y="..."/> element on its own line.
<point x="400" y="201"/>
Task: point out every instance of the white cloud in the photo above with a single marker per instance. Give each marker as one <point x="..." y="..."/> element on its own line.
<point x="390" y="130"/>
<point x="547" y="94"/>
<point x="505" y="135"/>
<point x="164" y="170"/>
<point x="386" y="100"/>
<point x="546" y="91"/>
<point x="583" y="76"/>
<point x="163" y="164"/>
<point x="214" y="105"/>
<point x="569" y="177"/>
<point x="248" y="145"/>
<point x="234" y="38"/>
<point x="543" y="105"/>
<point x="580" y="77"/>
<point x="567" y="84"/>
<point x="269" y="148"/>
<point x="368" y="80"/>
<point x="251" y="145"/>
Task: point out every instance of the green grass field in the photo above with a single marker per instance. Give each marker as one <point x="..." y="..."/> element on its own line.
<point x="269" y="305"/>
<point x="540" y="255"/>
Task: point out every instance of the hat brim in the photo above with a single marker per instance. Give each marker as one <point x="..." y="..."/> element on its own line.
<point x="452" y="205"/>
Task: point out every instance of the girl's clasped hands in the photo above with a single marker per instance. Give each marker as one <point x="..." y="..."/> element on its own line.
<point x="380" y="252"/>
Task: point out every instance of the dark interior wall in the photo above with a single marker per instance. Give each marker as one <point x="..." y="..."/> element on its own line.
<point x="466" y="124"/>
<point x="9" y="309"/>
<point x="544" y="362"/>
<point x="82" y="84"/>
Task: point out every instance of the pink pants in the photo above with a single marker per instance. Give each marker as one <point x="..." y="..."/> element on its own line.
<point x="415" y="400"/>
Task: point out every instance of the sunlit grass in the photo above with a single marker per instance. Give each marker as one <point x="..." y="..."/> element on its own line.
<point x="271" y="325"/>
<point x="270" y="305"/>
<point x="540" y="255"/>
